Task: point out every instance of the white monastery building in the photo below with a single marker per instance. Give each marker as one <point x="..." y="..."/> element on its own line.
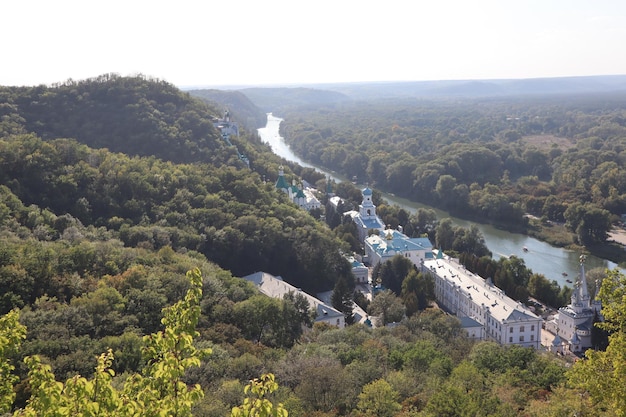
<point x="573" y="323"/>
<point x="366" y="218"/>
<point x="226" y="126"/>
<point x="303" y="197"/>
<point x="465" y="294"/>
<point x="359" y="270"/>
<point x="275" y="287"/>
<point x="381" y="248"/>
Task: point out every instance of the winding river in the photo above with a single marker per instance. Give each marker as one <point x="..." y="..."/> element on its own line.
<point x="555" y="263"/>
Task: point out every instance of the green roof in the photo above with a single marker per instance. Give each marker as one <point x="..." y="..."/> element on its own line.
<point x="281" y="183"/>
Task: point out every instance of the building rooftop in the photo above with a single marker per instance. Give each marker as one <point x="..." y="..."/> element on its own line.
<point x="275" y="287"/>
<point x="334" y="201"/>
<point x="468" y="322"/>
<point x="395" y="241"/>
<point x="480" y="291"/>
<point x="355" y="263"/>
<point x="368" y="223"/>
<point x="310" y="196"/>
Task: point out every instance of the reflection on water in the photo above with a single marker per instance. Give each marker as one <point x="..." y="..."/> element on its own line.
<point x="555" y="263"/>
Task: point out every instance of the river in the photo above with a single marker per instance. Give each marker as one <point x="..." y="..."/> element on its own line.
<point x="554" y="263"/>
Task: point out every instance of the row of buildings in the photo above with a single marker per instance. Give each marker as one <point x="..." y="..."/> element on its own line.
<point x="380" y="242"/>
<point x="489" y="314"/>
<point x="486" y="313"/>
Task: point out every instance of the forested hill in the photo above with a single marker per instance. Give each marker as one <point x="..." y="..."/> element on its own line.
<point x="246" y="113"/>
<point x="94" y="244"/>
<point x="338" y="92"/>
<point x="132" y="115"/>
<point x="278" y="100"/>
<point x="219" y="207"/>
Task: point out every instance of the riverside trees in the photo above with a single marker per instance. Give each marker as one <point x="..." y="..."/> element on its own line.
<point x="494" y="160"/>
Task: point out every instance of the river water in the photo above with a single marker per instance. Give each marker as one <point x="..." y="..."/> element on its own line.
<point x="554" y="263"/>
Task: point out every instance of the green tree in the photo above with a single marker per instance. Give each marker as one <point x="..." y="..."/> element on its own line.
<point x="392" y="273"/>
<point x="343" y="297"/>
<point x="590" y="223"/>
<point x="424" y="221"/>
<point x="11" y="335"/>
<point x="445" y="190"/>
<point x="603" y="375"/>
<point x="256" y="404"/>
<point x="295" y="314"/>
<point x="256" y="316"/>
<point x="378" y="399"/>
<point x="159" y="390"/>
<point x="417" y="291"/>
<point x="387" y="307"/>
<point x="444" y="234"/>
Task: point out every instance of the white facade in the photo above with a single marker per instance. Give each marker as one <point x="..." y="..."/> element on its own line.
<point x="275" y="287"/>
<point x="574" y="322"/>
<point x="366" y="218"/>
<point x="226" y="126"/>
<point x="474" y="329"/>
<point x="465" y="294"/>
<point x="359" y="270"/>
<point x="302" y="197"/>
<point x="311" y="201"/>
<point x="381" y="248"/>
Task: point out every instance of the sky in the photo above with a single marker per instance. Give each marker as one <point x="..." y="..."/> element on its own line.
<point x="285" y="42"/>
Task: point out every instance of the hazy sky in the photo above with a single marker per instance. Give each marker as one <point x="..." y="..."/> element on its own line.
<point x="203" y="43"/>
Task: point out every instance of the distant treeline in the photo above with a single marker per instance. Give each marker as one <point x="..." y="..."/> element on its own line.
<point x="559" y="158"/>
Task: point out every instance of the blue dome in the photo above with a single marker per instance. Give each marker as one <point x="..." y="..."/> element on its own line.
<point x="367" y="191"/>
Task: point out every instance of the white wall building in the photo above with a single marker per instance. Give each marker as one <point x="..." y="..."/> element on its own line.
<point x="359" y="270"/>
<point x="465" y="294"/>
<point x="226" y="126"/>
<point x="474" y="329"/>
<point x="574" y="322"/>
<point x="312" y="201"/>
<point x="381" y="248"/>
<point x="303" y="197"/>
<point x="366" y="218"/>
<point x="275" y="287"/>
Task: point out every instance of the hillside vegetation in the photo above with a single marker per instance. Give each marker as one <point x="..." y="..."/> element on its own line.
<point x="100" y="220"/>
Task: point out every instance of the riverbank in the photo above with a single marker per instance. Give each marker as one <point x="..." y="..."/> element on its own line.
<point x="554" y="261"/>
<point x="614" y="249"/>
<point x="553" y="233"/>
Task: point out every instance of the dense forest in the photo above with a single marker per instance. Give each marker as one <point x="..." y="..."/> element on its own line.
<point x="127" y="222"/>
<point x="558" y="158"/>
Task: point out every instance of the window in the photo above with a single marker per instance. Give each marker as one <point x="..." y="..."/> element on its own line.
<point x="521" y="329"/>
<point x="532" y="328"/>
<point x="510" y="330"/>
<point x="511" y="339"/>
<point x="532" y="337"/>
<point x="521" y="338"/>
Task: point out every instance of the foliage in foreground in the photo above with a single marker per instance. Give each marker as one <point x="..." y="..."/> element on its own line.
<point x="158" y="391"/>
<point x="602" y="375"/>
